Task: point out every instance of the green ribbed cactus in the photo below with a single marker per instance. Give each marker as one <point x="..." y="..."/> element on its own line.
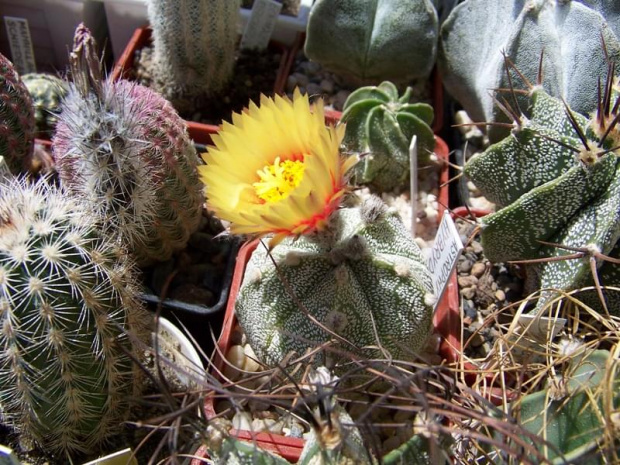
<point x="555" y="179"/>
<point x="17" y="125"/>
<point x="364" y="279"/>
<point x="125" y="150"/>
<point x="369" y="41"/>
<point x="194" y="45"/>
<point x="47" y="92"/>
<point x="567" y="34"/>
<point x="68" y="304"/>
<point x="381" y="124"/>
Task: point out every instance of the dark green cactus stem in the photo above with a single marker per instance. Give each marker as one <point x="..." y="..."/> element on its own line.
<point x="556" y="179"/>
<point x="380" y="125"/>
<point x="17" y="124"/>
<point x="47" y="92"/>
<point x="68" y="304"/>
<point x="126" y="151"/>
<point x="363" y="283"/>
<point x="194" y="45"/>
<point x="369" y="41"/>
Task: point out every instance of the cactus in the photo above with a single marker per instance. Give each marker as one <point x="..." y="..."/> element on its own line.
<point x="572" y="418"/>
<point x="68" y="300"/>
<point x="194" y="45"/>
<point x="126" y="151"/>
<point x="364" y="279"/>
<point x="17" y="125"/>
<point x="556" y="179"/>
<point x="47" y="91"/>
<point x="381" y="124"/>
<point x="567" y="36"/>
<point x="370" y="41"/>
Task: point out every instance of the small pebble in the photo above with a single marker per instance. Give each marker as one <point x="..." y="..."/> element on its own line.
<point x="242" y="420"/>
<point x="478" y="269"/>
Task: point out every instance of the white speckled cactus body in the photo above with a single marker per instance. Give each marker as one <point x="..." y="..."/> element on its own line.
<point x="369" y="41"/>
<point x="47" y="92"/>
<point x="68" y="301"/>
<point x="365" y="279"/>
<point x="194" y="45"/>
<point x="380" y="124"/>
<point x="556" y="179"/>
<point x="567" y="34"/>
<point x="124" y="149"/>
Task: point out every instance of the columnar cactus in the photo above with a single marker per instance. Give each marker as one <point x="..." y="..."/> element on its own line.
<point x="126" y="151"/>
<point x="566" y="34"/>
<point x="68" y="304"/>
<point x="363" y="283"/>
<point x="17" y="125"/>
<point x="381" y="124"/>
<point x="369" y="41"/>
<point x="557" y="180"/>
<point x="47" y="92"/>
<point x="194" y="45"/>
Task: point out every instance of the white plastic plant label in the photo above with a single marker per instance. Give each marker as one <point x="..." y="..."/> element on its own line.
<point x="259" y="28"/>
<point x="444" y="254"/>
<point x="540" y="328"/>
<point x="22" y="53"/>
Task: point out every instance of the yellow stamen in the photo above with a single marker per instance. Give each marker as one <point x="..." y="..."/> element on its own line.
<point x="278" y="180"/>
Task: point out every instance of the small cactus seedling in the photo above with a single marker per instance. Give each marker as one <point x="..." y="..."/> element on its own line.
<point x="556" y="179"/>
<point x="380" y="124"/>
<point x="68" y="303"/>
<point x="362" y="283"/>
<point x="194" y="45"/>
<point x="47" y="92"/>
<point x="126" y="151"/>
<point x="477" y="34"/>
<point x="369" y="41"/>
<point x="17" y="124"/>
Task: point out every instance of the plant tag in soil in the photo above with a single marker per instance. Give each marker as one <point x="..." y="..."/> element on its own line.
<point x="260" y="26"/>
<point x="444" y="255"/>
<point x="540" y="328"/>
<point x="22" y="53"/>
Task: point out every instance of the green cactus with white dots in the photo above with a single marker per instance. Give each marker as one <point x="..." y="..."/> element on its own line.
<point x="363" y="283"/>
<point x="556" y="183"/>
<point x="380" y="124"/>
<point x="47" y="92"/>
<point x="68" y="304"/>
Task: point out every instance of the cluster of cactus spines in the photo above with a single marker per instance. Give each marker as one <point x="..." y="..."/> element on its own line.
<point x="122" y="148"/>
<point x="556" y="179"/>
<point x="570" y="412"/>
<point x="17" y="124"/>
<point x="362" y="283"/>
<point x="568" y="35"/>
<point x="47" y="92"/>
<point x="194" y="45"/>
<point x="68" y="304"/>
<point x="380" y="124"/>
<point x="370" y="41"/>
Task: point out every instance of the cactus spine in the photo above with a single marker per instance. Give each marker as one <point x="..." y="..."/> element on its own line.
<point x="194" y="45"/>
<point x="381" y="124"/>
<point x="369" y="41"/>
<point x="364" y="279"/>
<point x="556" y="178"/>
<point x="47" y="92"/>
<point x="125" y="150"/>
<point x="17" y="124"/>
<point x="68" y="299"/>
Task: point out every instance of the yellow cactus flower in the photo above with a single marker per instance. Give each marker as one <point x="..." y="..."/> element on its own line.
<point x="276" y="169"/>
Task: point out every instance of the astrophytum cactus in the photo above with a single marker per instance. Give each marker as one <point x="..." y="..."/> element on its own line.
<point x="47" y="92"/>
<point x="556" y="181"/>
<point x="361" y="283"/>
<point x="68" y="304"/>
<point x="123" y="148"/>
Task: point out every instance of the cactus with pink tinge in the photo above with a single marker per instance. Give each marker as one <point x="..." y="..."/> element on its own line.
<point x="17" y="123"/>
<point x="124" y="149"/>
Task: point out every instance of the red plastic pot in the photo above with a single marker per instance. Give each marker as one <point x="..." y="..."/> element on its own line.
<point x="446" y="322"/>
<point x="333" y="116"/>
<point x="197" y="131"/>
